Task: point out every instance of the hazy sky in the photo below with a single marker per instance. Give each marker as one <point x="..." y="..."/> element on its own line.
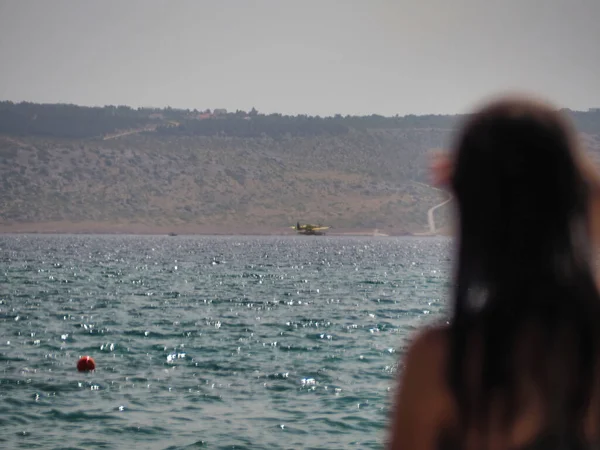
<point x="303" y="56"/>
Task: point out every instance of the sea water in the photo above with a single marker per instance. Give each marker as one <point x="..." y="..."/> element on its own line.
<point x="209" y="342"/>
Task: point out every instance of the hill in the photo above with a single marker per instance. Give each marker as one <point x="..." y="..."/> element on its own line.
<point x="70" y="168"/>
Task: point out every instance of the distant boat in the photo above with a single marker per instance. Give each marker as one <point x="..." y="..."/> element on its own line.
<point x="172" y="234"/>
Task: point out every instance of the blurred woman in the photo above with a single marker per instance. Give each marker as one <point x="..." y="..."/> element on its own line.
<point x="518" y="365"/>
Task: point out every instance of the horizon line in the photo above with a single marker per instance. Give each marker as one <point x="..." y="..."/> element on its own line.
<point x="137" y="108"/>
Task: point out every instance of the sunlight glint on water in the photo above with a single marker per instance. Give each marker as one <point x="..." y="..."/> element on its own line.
<point x="215" y="342"/>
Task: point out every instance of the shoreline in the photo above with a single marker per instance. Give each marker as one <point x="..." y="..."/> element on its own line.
<point x="105" y="233"/>
<point x="188" y="230"/>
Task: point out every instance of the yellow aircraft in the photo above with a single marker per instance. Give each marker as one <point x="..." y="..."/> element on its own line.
<point x="311" y="229"/>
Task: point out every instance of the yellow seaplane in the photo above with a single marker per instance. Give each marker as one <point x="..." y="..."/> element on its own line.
<point x="315" y="230"/>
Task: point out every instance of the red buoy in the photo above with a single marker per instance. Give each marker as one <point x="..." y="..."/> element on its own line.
<point x="85" y="364"/>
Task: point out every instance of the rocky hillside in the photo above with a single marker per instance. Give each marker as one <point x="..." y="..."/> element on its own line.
<point x="208" y="175"/>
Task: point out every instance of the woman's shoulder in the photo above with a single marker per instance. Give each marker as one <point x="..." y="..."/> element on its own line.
<point x="425" y="362"/>
<point x="428" y="347"/>
<point x="423" y="403"/>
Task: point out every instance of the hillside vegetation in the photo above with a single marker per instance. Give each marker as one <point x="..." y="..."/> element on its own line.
<point x="72" y="168"/>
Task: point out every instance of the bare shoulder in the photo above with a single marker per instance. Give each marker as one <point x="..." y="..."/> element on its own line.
<point x="423" y="377"/>
<point x="422" y="405"/>
<point x="429" y="349"/>
<point x="423" y="380"/>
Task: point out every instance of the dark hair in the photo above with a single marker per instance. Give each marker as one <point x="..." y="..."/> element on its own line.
<point x="526" y="306"/>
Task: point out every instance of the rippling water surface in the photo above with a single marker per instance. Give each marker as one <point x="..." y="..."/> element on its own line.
<point x="208" y="342"/>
